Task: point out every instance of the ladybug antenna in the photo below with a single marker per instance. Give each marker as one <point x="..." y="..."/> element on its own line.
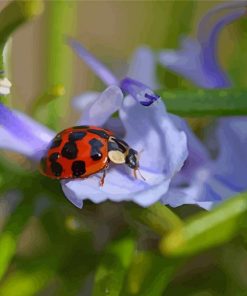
<point x="137" y="169"/>
<point x="141" y="174"/>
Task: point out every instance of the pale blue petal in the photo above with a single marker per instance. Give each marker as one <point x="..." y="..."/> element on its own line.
<point x="198" y="156"/>
<point x="107" y="103"/>
<point x="231" y="163"/>
<point x="187" y="62"/>
<point x="162" y="147"/>
<point x="119" y="185"/>
<point x="83" y="101"/>
<point x="197" y="59"/>
<point x="141" y="92"/>
<point x="9" y="142"/>
<point x="143" y="67"/>
<point x="192" y="195"/>
<point x="97" y="67"/>
<point x="22" y="134"/>
<point x="38" y="129"/>
<point x="209" y="56"/>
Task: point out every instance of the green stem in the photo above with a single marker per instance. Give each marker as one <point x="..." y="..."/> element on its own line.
<point x="157" y="217"/>
<point x="206" y="102"/>
<point x="60" y="22"/>
<point x="14" y="15"/>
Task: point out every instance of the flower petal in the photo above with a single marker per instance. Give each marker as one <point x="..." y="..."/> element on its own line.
<point x="150" y="131"/>
<point x="97" y="67"/>
<point x="205" y="24"/>
<point x="43" y="132"/>
<point x="195" y="194"/>
<point x="197" y="59"/>
<point x="143" y="67"/>
<point x="22" y="131"/>
<point x="84" y="100"/>
<point x="209" y="57"/>
<point x="186" y="62"/>
<point x="103" y="107"/>
<point x="118" y="186"/>
<point x="9" y="142"/>
<point x="141" y="92"/>
<point x="198" y="155"/>
<point x="231" y="163"/>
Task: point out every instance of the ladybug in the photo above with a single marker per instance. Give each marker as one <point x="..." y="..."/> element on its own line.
<point x="81" y="151"/>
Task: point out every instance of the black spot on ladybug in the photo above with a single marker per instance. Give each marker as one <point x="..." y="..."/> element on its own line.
<point x="95" y="149"/>
<point x="75" y="136"/>
<point x="54" y="156"/>
<point x="69" y="150"/>
<point x="78" y="168"/>
<point x="81" y="127"/>
<point x="56" y="168"/>
<point x="56" y="142"/>
<point x="100" y="133"/>
<point x="43" y="163"/>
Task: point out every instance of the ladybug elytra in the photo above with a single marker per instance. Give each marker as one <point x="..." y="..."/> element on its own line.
<point x="81" y="151"/>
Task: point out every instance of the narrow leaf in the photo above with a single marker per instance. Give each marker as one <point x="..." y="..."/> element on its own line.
<point x="206" y="102"/>
<point x="208" y="229"/>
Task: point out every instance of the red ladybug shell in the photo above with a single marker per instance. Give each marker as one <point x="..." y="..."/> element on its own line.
<point x="77" y="152"/>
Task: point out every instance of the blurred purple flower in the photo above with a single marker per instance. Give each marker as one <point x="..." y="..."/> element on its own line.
<point x="202" y="180"/>
<point x="197" y="59"/>
<point x="139" y="90"/>
<point x="144" y="128"/>
<point x="205" y="181"/>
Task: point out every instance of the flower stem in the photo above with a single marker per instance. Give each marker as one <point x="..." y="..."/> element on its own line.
<point x="14" y="15"/>
<point x="60" y="23"/>
<point x="206" y="102"/>
<point x="157" y="217"/>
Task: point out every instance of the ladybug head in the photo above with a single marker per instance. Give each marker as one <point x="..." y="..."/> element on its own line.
<point x="119" y="152"/>
<point x="132" y="159"/>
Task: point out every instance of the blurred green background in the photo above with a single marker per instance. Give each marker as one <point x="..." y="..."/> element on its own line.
<point x="47" y="246"/>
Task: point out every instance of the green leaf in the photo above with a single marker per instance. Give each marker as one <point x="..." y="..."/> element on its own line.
<point x="208" y="229"/>
<point x="111" y="272"/>
<point x="11" y="233"/>
<point x="206" y="102"/>
<point x="149" y="274"/>
<point x="31" y="279"/>
<point x="14" y="15"/>
<point x="157" y="217"/>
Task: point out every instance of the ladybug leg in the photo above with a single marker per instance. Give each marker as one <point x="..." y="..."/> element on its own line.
<point x="135" y="174"/>
<point x="102" y="180"/>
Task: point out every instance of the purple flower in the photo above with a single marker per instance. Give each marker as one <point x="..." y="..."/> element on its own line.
<point x="197" y="60"/>
<point x="148" y="130"/>
<point x="203" y="180"/>
<point x="139" y="90"/>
